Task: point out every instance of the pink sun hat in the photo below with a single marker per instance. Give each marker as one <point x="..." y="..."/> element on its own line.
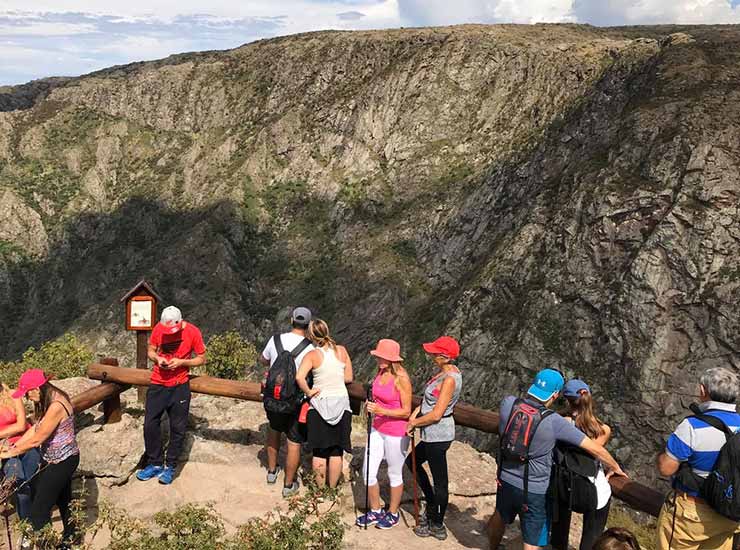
<point x="387" y="349"/>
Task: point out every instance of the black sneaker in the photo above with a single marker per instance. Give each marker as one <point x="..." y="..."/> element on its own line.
<point x="422" y="530"/>
<point x="439" y="532"/>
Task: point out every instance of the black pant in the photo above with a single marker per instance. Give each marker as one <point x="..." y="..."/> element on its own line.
<point x="593" y="525"/>
<point x="437" y="497"/>
<point x="53" y="486"/>
<point x="175" y="401"/>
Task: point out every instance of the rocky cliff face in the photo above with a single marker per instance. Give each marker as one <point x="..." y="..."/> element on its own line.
<point x="552" y="195"/>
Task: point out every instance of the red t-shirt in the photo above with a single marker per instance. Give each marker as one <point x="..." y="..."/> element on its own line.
<point x="182" y="344"/>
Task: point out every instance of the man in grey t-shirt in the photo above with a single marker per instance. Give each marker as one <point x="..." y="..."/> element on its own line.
<point x="532" y="509"/>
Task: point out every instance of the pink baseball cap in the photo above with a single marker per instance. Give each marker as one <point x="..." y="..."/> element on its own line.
<point x="30" y="380"/>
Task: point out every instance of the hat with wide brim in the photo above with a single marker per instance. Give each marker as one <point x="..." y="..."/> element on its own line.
<point x="388" y="349"/>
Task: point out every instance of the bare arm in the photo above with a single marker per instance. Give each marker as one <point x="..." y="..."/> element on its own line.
<point x="597" y="451"/>
<point x="311" y="360"/>
<point x="345" y="358"/>
<point x="606" y="435"/>
<point x="436" y="414"/>
<point x="154" y="356"/>
<point x="20" y="421"/>
<point x="41" y="431"/>
<point x="667" y="465"/>
<point x="197" y="361"/>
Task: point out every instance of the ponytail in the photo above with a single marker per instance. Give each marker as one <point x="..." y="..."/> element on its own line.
<point x="585" y="418"/>
<point x="318" y="333"/>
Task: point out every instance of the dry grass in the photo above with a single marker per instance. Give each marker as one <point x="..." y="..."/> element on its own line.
<point x="645" y="532"/>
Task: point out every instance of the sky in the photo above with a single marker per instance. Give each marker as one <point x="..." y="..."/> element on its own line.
<point x="41" y="38"/>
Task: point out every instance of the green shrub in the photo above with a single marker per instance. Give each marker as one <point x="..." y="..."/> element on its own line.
<point x="644" y="532"/>
<point x="230" y="356"/>
<point x="64" y="357"/>
<point x="307" y="525"/>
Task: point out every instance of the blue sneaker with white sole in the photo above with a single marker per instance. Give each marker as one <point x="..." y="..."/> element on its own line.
<point x="369" y="518"/>
<point x="149" y="472"/>
<point x="388" y="520"/>
<point x="167" y="475"/>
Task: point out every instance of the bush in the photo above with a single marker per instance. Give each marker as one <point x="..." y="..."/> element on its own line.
<point x="196" y="527"/>
<point x="230" y="356"/>
<point x="64" y="357"/>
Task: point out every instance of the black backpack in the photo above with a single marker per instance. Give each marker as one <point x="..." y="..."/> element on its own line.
<point x="514" y="443"/>
<point x="570" y="484"/>
<point x="721" y="488"/>
<point x="281" y="393"/>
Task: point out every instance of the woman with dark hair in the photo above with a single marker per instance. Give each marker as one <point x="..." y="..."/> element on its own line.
<point x="54" y="432"/>
<point x="329" y="419"/>
<point x="581" y="412"/>
<point x="434" y="418"/>
<point x="21" y="468"/>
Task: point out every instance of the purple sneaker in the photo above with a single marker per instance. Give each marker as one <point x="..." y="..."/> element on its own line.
<point x="388" y="520"/>
<point x="369" y="518"/>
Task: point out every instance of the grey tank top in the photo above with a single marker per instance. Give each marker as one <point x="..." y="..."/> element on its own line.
<point x="444" y="430"/>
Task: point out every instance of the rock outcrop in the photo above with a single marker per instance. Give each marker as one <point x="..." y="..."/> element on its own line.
<point x="553" y="195"/>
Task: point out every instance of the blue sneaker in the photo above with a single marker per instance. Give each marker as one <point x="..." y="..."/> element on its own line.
<point x="149" y="472"/>
<point x="388" y="520"/>
<point x="167" y="475"/>
<point x="369" y="518"/>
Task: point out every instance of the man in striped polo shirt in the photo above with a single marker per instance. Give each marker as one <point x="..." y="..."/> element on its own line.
<point x="686" y="522"/>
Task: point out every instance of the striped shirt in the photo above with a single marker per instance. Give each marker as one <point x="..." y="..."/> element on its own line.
<point x="699" y="443"/>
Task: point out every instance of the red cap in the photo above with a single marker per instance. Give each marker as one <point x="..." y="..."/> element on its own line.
<point x="30" y="380"/>
<point x="171" y="329"/>
<point x="444" y="345"/>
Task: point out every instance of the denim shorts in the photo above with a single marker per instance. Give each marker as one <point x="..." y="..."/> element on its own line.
<point x="535" y="520"/>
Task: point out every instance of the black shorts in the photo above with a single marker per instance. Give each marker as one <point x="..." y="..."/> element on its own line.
<point x="289" y="425"/>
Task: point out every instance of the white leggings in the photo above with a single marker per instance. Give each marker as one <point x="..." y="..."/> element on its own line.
<point x="393" y="449"/>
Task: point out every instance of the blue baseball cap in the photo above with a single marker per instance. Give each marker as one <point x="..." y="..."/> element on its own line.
<point x="546" y="384"/>
<point x="575" y="387"/>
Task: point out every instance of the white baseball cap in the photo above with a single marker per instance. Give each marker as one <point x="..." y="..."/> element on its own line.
<point x="171" y="314"/>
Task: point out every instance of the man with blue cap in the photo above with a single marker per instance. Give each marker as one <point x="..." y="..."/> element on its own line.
<point x="528" y="433"/>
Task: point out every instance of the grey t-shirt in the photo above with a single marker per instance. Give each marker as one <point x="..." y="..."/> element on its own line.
<point x="552" y="429"/>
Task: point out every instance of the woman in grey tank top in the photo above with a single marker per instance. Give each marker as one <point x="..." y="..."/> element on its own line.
<point x="437" y="426"/>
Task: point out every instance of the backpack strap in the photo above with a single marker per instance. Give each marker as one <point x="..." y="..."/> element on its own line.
<point x="300" y="347"/>
<point x="544" y="413"/>
<point x="278" y="343"/>
<point x="713" y="421"/>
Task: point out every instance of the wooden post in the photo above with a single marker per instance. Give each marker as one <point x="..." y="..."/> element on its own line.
<point x="111" y="406"/>
<point x="141" y="317"/>
<point x="142" y="361"/>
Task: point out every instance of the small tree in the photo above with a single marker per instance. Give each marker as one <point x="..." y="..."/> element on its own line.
<point x="230" y="356"/>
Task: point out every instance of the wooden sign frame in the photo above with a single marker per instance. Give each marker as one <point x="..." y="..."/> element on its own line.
<point x="152" y="312"/>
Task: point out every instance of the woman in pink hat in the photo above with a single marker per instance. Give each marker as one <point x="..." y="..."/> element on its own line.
<point x="434" y="418"/>
<point x="391" y="406"/>
<point x="54" y="432"/>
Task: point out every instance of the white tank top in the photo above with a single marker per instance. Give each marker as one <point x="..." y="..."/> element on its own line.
<point x="329" y="376"/>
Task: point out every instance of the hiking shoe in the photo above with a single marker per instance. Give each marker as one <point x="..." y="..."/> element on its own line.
<point x="388" y="520"/>
<point x="149" y="472"/>
<point x="422" y="530"/>
<point x="369" y="518"/>
<point x="291" y="490"/>
<point x="167" y="475"/>
<point x="439" y="532"/>
<point x="272" y="477"/>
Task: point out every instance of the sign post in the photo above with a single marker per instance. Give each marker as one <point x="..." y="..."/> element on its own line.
<point x="141" y="317"/>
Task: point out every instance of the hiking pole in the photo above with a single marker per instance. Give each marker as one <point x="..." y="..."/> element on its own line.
<point x="413" y="473"/>
<point x="368" y="399"/>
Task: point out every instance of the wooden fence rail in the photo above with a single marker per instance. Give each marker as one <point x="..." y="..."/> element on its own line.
<point x="116" y="379"/>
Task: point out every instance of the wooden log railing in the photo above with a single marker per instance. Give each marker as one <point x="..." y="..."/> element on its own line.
<point x="116" y="379"/>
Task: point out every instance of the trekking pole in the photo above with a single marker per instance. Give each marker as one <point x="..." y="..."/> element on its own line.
<point x="413" y="473"/>
<point x="369" y="398"/>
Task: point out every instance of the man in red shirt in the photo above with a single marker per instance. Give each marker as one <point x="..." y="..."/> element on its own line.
<point x="174" y="346"/>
